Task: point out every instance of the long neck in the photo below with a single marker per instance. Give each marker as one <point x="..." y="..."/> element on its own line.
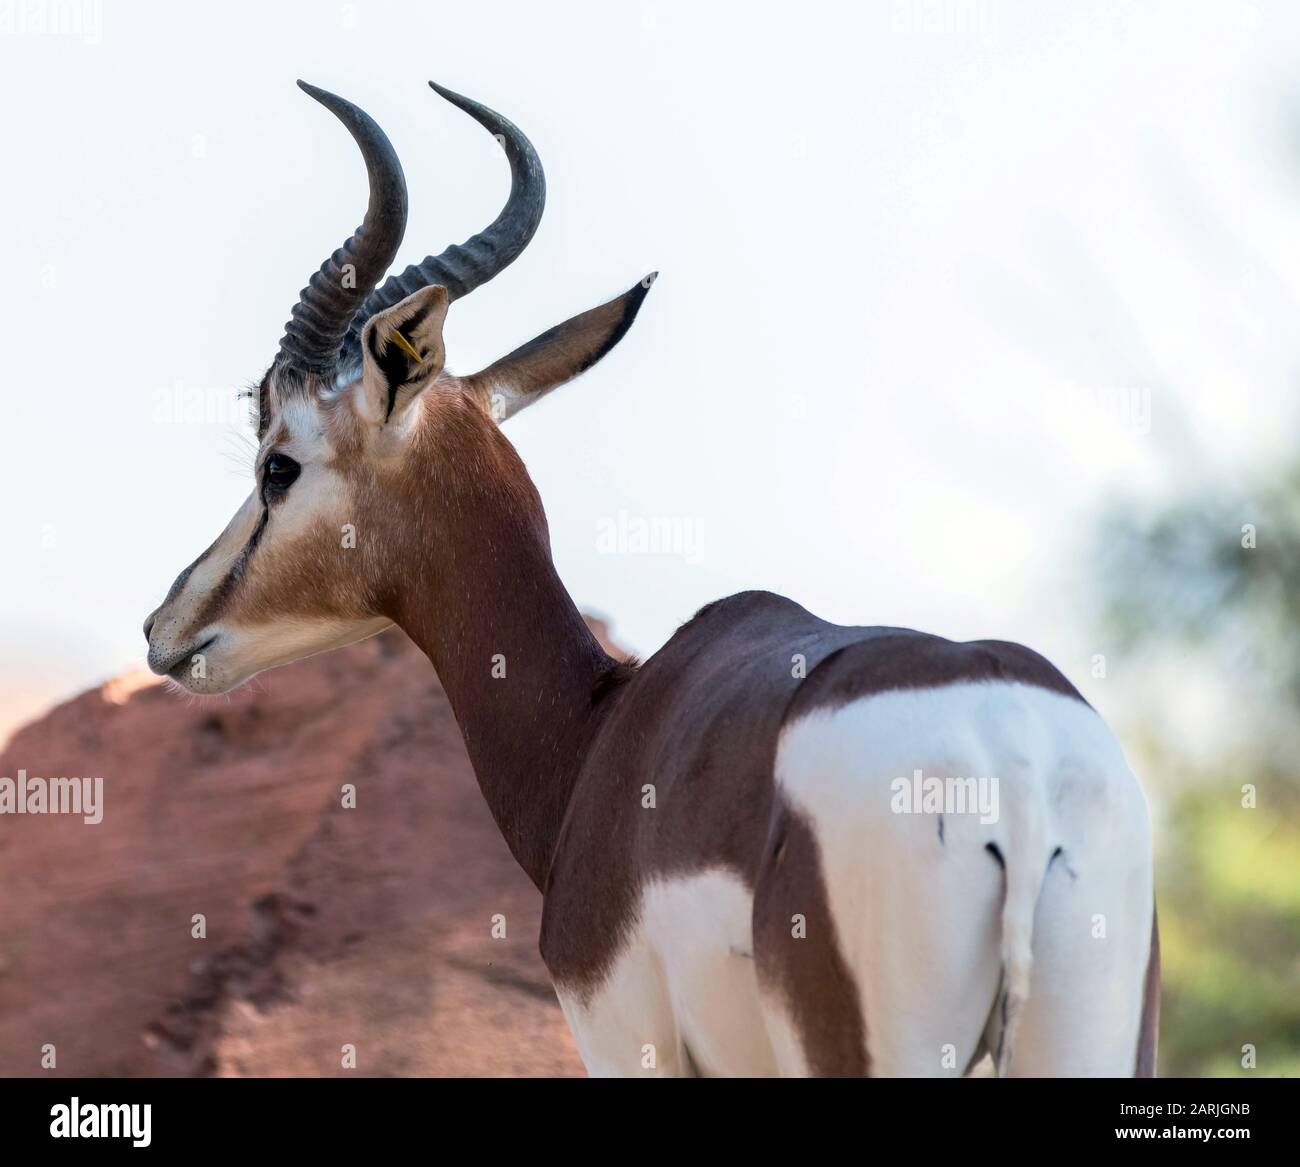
<point x="523" y="672"/>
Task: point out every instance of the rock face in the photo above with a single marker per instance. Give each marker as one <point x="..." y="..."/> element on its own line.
<point x="326" y="927"/>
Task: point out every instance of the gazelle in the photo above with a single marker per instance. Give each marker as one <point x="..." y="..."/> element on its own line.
<point x="758" y="850"/>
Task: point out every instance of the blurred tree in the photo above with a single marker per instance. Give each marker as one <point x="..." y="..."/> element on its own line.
<point x="1205" y="594"/>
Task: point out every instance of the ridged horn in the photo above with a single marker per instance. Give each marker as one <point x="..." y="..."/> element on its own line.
<point x="314" y="336"/>
<point x="461" y="269"/>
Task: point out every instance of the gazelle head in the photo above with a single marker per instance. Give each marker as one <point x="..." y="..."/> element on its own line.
<point x="363" y="435"/>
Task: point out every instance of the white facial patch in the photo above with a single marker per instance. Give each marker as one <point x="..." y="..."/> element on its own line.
<point x="319" y="490"/>
<point x="255" y="649"/>
<point x="315" y="509"/>
<point x="173" y="629"/>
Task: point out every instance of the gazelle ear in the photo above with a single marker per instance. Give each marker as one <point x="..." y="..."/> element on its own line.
<point x="402" y="352"/>
<point x="558" y="355"/>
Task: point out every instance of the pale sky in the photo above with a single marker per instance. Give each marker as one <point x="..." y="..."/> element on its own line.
<point x="935" y="278"/>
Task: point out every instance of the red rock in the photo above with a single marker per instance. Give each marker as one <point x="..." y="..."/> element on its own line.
<point x="326" y="927"/>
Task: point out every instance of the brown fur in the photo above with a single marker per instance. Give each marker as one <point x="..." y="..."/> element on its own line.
<point x="808" y="970"/>
<point x="452" y="545"/>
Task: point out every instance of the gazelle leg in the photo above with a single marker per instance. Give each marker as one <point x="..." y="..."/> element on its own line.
<point x="626" y="1028"/>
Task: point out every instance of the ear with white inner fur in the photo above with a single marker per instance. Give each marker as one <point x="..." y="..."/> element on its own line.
<point x="402" y="352"/>
<point x="558" y="355"/>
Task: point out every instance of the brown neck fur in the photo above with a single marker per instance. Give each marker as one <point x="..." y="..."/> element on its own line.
<point x="479" y="585"/>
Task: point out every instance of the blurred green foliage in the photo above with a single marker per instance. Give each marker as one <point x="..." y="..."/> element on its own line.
<point x="1205" y="595"/>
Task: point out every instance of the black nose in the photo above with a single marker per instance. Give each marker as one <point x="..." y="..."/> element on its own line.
<point x="148" y="624"/>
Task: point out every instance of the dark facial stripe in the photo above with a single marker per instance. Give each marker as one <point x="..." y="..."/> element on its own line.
<point x="179" y="583"/>
<point x="222" y="592"/>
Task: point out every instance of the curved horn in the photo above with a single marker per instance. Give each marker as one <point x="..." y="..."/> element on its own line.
<point x="314" y="336"/>
<point x="462" y="269"/>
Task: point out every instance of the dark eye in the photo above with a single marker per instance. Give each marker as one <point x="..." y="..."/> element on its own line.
<point x="280" y="473"/>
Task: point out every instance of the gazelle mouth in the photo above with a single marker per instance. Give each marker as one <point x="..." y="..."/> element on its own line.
<point x="183" y="660"/>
